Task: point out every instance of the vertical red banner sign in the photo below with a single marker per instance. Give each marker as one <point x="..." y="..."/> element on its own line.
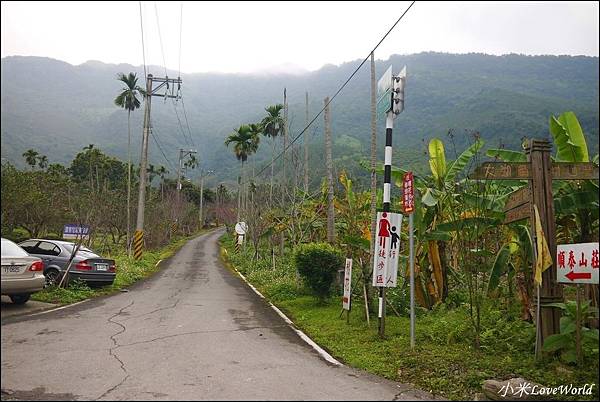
<point x="408" y="194"/>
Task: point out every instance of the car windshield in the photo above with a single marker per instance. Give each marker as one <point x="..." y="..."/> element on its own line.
<point x="10" y="249"/>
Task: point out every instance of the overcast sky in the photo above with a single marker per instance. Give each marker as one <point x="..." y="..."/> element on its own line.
<point x="295" y="36"/>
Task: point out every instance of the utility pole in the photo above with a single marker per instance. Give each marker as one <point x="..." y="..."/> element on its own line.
<point x="285" y="134"/>
<point x="329" y="161"/>
<point x="306" y="150"/>
<point x="150" y="79"/>
<point x="202" y="175"/>
<point x="373" y="173"/>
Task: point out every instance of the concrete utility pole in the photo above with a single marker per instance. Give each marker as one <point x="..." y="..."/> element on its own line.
<point x="306" y="150"/>
<point x="285" y="134"/>
<point x="139" y="226"/>
<point x="329" y="161"/>
<point x="373" y="170"/>
<point x="202" y="175"/>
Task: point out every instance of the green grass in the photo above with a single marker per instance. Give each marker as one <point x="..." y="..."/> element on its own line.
<point x="444" y="361"/>
<point x="129" y="271"/>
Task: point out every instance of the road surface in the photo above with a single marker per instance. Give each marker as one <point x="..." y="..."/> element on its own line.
<point x="194" y="331"/>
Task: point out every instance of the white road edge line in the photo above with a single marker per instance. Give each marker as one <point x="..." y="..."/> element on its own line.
<point x="59" y="308"/>
<point x="301" y="334"/>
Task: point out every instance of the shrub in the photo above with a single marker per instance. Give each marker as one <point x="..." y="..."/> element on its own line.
<point x="318" y="263"/>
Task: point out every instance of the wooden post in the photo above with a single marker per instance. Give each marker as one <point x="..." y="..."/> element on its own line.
<point x="538" y="154"/>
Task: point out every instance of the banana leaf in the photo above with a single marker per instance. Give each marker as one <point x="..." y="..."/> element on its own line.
<point x="569" y="138"/>
<point x="465" y="223"/>
<point x="437" y="161"/>
<point x="437" y="235"/>
<point x="462" y="161"/>
<point x="570" y="203"/>
<point x="431" y="197"/>
<point x="499" y="268"/>
<point x="507" y="155"/>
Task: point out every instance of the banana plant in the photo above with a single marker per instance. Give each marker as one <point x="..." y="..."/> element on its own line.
<point x="575" y="203"/>
<point x="435" y="203"/>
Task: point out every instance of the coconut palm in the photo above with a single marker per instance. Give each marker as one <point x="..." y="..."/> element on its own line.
<point x="128" y="100"/>
<point x="245" y="144"/>
<point x="31" y="157"/>
<point x="272" y="126"/>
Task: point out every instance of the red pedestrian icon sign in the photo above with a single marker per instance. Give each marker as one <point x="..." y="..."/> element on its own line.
<point x="387" y="249"/>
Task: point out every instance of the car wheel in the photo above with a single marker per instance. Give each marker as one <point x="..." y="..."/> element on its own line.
<point x="52" y="277"/>
<point x="19" y="299"/>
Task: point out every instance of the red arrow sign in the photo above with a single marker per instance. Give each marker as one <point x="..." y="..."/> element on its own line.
<point x="579" y="275"/>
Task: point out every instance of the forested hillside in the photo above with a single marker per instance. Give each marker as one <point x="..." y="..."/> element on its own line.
<point x="57" y="109"/>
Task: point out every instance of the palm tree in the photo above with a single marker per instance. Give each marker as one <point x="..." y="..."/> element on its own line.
<point x="89" y="148"/>
<point x="30" y="157"/>
<point x="257" y="131"/>
<point x="42" y="161"/>
<point x="128" y="100"/>
<point x="191" y="163"/>
<point x="162" y="172"/>
<point x="245" y="144"/>
<point x="272" y="126"/>
<point x="152" y="172"/>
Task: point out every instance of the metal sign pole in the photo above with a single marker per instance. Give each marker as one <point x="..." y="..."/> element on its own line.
<point x="412" y="279"/>
<point x="387" y="179"/>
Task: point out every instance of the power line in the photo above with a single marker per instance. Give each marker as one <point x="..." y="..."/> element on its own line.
<point x="338" y="91"/>
<point x="160" y="39"/>
<point x="143" y="46"/>
<point x="160" y="147"/>
<point x="180" y="124"/>
<point x="180" y="28"/>
<point x="186" y="121"/>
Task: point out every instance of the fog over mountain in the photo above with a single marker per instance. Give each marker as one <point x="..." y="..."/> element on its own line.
<point x="57" y="108"/>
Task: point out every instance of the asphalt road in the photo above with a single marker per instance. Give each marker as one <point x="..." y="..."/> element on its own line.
<point x="194" y="331"/>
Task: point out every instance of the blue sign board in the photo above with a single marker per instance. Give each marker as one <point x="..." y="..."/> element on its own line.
<point x="74" y="231"/>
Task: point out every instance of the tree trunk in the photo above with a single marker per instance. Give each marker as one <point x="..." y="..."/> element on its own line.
<point x="330" y="209"/>
<point x="128" y="182"/>
<point x="272" y="162"/>
<point x="239" y="191"/>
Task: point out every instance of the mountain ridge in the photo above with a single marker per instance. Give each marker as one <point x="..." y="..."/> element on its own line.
<point x="57" y="108"/>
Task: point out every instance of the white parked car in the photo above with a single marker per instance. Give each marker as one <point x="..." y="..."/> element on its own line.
<point x="21" y="274"/>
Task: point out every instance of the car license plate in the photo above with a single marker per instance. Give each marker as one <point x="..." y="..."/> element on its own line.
<point x="101" y="267"/>
<point x="12" y="268"/>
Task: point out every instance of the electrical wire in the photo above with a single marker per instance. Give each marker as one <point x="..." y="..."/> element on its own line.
<point x="160" y="147"/>
<point x="338" y="91"/>
<point x="160" y="39"/>
<point x="180" y="124"/>
<point x="143" y="46"/>
<point x="180" y="28"/>
<point x="186" y="122"/>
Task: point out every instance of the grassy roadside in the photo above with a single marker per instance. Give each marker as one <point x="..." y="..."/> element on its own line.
<point x="129" y="271"/>
<point x="444" y="361"/>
